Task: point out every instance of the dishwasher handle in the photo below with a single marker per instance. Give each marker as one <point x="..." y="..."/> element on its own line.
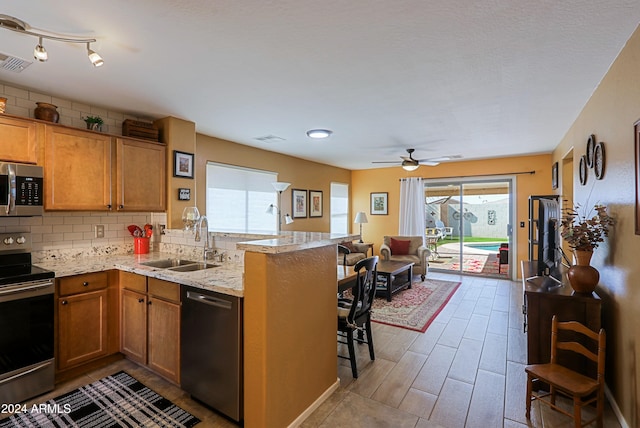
<point x="209" y="300"/>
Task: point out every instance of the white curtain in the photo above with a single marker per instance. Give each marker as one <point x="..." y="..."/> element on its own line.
<point x="412" y="216"/>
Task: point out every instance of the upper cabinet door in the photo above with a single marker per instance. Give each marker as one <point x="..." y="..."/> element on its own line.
<point x="141" y="175"/>
<point x="77" y="170"/>
<point x="18" y="140"/>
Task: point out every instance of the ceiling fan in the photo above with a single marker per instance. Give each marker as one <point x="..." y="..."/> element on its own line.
<point x="411" y="164"/>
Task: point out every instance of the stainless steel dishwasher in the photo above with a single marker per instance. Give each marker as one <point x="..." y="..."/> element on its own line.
<point x="211" y="349"/>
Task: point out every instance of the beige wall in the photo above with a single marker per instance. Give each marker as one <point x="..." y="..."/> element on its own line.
<point x="610" y="114"/>
<point x="365" y="182"/>
<point x="302" y="174"/>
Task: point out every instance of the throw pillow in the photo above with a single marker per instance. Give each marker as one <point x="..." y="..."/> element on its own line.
<point x="399" y="247"/>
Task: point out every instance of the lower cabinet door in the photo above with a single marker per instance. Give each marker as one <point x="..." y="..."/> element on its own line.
<point x="133" y="336"/>
<point x="164" y="338"/>
<point x="82" y="328"/>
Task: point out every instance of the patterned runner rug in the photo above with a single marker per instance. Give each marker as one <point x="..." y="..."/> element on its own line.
<point x="414" y="308"/>
<point x="114" y="401"/>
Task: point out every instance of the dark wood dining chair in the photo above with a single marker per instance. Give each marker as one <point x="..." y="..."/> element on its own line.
<point x="355" y="314"/>
<point x="344" y="251"/>
<point x="582" y="389"/>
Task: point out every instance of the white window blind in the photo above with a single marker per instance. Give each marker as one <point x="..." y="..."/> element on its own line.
<point x="238" y="198"/>
<point x="339" y="208"/>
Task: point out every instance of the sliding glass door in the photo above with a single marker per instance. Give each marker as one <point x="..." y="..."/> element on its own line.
<point x="468" y="226"/>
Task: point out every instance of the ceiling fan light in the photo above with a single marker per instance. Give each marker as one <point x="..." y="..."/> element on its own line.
<point x="409" y="167"/>
<point x="319" y="133"/>
<point x="39" y="52"/>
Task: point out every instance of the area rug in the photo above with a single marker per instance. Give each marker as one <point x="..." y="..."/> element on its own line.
<point x="114" y="401"/>
<point x="414" y="308"/>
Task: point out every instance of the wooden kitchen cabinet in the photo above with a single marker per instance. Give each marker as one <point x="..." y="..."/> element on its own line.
<point x="150" y="323"/>
<point x="89" y="171"/>
<point x="82" y="319"/>
<point x="19" y="139"/>
<point x="141" y="176"/>
<point x="77" y="170"/>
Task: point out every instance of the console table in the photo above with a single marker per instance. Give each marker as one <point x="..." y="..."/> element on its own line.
<point x="542" y="300"/>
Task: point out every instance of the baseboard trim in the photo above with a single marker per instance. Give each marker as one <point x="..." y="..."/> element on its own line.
<point x="615" y="408"/>
<point x="304" y="415"/>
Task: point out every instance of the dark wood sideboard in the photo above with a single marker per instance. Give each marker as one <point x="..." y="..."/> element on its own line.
<point x="542" y="300"/>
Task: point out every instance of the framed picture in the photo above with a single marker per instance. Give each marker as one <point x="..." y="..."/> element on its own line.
<point x="379" y="204"/>
<point x="636" y="133"/>
<point x="299" y="203"/>
<point x="315" y="203"/>
<point x="554" y="176"/>
<point x="182" y="164"/>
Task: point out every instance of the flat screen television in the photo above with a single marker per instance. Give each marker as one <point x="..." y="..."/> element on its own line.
<point x="549" y="251"/>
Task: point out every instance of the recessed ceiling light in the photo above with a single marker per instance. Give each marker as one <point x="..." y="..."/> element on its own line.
<point x="319" y="133"/>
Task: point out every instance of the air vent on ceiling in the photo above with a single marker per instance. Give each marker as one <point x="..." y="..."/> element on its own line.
<point x="12" y="63"/>
<point x="269" y="139"/>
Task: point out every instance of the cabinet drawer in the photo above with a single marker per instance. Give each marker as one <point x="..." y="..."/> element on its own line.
<point x="164" y="289"/>
<point x="133" y="281"/>
<point x="83" y="283"/>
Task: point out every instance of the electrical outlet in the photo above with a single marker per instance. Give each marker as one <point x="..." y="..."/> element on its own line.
<point x="99" y="231"/>
<point x="162" y="227"/>
<point x="522" y="224"/>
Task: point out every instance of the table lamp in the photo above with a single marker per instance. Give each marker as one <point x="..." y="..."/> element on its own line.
<point x="361" y="217"/>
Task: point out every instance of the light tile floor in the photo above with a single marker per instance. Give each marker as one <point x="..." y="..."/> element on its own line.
<point x="466" y="370"/>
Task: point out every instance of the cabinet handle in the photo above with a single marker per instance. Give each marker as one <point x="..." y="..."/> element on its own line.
<point x="149" y="302"/>
<point x="120" y="207"/>
<point x="64" y="302"/>
<point x="85" y="284"/>
<point x="140" y="300"/>
<point x="109" y="206"/>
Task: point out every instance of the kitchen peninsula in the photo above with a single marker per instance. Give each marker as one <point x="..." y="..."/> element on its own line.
<point x="288" y="286"/>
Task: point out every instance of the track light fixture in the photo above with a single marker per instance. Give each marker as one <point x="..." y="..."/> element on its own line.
<point x="39" y="52"/>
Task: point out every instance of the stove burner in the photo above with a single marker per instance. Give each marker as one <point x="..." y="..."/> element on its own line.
<point x="15" y="260"/>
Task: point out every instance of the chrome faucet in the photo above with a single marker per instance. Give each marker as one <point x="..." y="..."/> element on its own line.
<point x="207" y="245"/>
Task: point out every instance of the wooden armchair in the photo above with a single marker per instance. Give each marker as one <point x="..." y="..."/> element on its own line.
<point x="582" y="389"/>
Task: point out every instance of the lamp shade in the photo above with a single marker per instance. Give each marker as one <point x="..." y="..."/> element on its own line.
<point x="280" y="186"/>
<point x="288" y="219"/>
<point x="361" y="217"/>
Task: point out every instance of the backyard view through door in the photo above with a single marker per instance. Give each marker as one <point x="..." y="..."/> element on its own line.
<point x="468" y="226"/>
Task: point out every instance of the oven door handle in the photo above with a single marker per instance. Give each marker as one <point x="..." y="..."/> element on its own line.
<point x="9" y="290"/>
<point x="19" y="375"/>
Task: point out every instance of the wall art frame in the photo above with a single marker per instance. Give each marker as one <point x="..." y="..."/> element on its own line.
<point x="315" y="203"/>
<point x="554" y="176"/>
<point x="298" y="203"/>
<point x="379" y="203"/>
<point x="636" y="134"/>
<point x="182" y="164"/>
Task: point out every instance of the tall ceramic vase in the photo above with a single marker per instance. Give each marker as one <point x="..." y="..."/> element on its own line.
<point x="582" y="276"/>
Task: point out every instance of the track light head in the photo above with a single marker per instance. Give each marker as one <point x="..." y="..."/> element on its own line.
<point x="94" y="57"/>
<point x="39" y="52"/>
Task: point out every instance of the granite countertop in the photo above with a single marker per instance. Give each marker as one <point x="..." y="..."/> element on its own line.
<point x="294" y="241"/>
<point x="227" y="278"/>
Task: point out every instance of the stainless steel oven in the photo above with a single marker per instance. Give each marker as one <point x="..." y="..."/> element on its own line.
<point x="26" y="322"/>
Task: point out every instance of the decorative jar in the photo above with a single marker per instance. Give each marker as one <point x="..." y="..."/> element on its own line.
<point x="47" y="112"/>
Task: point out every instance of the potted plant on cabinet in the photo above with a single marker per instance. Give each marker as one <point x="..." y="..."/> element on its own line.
<point x="584" y="233"/>
<point x="94" y="123"/>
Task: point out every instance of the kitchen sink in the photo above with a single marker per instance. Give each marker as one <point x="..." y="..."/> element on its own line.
<point x="168" y="263"/>
<point x="193" y="267"/>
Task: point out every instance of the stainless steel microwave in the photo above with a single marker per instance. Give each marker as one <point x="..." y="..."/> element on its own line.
<point x="20" y="190"/>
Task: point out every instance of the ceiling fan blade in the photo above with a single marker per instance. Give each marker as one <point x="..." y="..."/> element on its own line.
<point x="396" y="162"/>
<point x="428" y="162"/>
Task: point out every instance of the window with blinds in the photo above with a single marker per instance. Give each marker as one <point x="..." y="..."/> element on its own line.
<point x="238" y="199"/>
<point x="339" y="208"/>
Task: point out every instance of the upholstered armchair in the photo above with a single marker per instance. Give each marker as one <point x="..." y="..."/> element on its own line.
<point x="407" y="249"/>
<point x="353" y="254"/>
